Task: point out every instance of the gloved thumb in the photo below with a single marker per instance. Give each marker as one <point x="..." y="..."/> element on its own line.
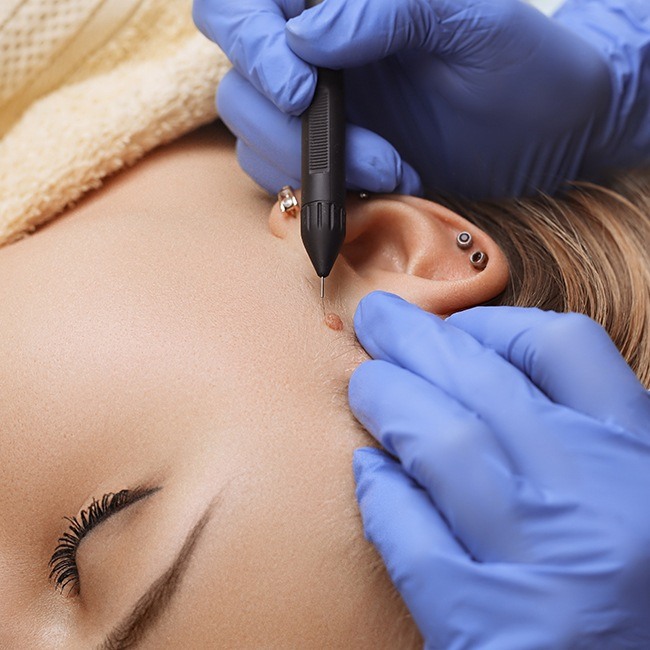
<point x="341" y="34"/>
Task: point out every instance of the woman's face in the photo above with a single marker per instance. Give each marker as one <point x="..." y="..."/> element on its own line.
<point x="159" y="339"/>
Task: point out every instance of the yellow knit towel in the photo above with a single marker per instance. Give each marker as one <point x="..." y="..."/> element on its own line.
<point x="88" y="87"/>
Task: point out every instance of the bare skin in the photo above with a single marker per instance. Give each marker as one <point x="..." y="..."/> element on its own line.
<point x="157" y="335"/>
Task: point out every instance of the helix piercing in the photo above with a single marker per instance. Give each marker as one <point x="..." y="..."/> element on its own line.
<point x="464" y="239"/>
<point x="479" y="260"/>
<point x="287" y="201"/>
<point x="364" y="195"/>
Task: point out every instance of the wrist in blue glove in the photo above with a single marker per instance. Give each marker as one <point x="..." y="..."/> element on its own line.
<point x="512" y="509"/>
<point x="485" y="99"/>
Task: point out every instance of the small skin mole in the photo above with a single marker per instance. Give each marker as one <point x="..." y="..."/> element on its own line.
<point x="334" y="322"/>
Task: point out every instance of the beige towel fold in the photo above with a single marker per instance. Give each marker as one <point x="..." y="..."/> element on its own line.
<point x="88" y="87"/>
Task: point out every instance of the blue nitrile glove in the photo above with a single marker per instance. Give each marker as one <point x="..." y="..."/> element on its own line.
<point x="515" y="515"/>
<point x="482" y="98"/>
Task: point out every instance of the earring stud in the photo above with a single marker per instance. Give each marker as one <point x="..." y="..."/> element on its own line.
<point x="479" y="260"/>
<point x="287" y="201"/>
<point x="464" y="239"/>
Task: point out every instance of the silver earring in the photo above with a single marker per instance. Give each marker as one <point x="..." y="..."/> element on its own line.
<point x="364" y="195"/>
<point x="464" y="239"/>
<point x="287" y="201"/>
<point x="479" y="260"/>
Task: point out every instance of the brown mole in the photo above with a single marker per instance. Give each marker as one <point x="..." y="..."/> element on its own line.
<point x="334" y="322"/>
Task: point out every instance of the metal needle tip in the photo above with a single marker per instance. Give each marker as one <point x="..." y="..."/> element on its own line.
<point x="322" y="288"/>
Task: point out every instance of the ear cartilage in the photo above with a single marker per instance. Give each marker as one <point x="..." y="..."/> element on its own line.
<point x="288" y="202"/>
<point x="479" y="260"/>
<point x="464" y="239"/>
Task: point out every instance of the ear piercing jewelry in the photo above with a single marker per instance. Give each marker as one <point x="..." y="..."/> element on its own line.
<point x="464" y="240"/>
<point x="479" y="260"/>
<point x="288" y="202"/>
<point x="364" y="195"/>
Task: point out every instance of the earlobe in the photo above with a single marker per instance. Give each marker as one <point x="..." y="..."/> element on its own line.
<point x="285" y="212"/>
<point x="422" y="252"/>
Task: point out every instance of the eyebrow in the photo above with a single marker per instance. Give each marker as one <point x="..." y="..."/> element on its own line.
<point x="155" y="601"/>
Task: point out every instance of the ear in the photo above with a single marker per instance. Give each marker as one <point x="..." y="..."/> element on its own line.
<point x="408" y="246"/>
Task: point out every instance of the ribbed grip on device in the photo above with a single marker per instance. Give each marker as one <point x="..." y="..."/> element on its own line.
<point x="318" y="218"/>
<point x="319" y="136"/>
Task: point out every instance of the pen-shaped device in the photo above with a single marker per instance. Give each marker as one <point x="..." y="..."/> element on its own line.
<point x="322" y="216"/>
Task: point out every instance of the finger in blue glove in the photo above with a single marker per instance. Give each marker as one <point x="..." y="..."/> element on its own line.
<point x="548" y="509"/>
<point x="589" y="375"/>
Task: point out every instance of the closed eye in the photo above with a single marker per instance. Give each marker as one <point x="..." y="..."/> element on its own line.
<point x="63" y="563"/>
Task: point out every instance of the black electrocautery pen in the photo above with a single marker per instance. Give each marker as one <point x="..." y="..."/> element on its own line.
<point x="322" y="216"/>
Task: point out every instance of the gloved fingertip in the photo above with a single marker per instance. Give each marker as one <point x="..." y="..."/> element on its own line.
<point x="476" y="320"/>
<point x="199" y="15"/>
<point x="410" y="182"/>
<point x="356" y="384"/>
<point x="295" y="96"/>
<point x="304" y="34"/>
<point x="321" y="35"/>
<point x="371" y="307"/>
<point x="302" y="26"/>
<point x="373" y="164"/>
<point x="366" y="382"/>
<point x="296" y="26"/>
<point x="263" y="173"/>
<point x="365" y="460"/>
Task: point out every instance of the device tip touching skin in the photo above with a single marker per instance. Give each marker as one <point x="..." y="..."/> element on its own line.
<point x="322" y="215"/>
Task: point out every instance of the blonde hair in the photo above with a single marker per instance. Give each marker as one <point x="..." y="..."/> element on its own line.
<point x="584" y="251"/>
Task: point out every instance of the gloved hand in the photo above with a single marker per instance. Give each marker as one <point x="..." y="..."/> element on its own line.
<point x="481" y="98"/>
<point x="514" y="515"/>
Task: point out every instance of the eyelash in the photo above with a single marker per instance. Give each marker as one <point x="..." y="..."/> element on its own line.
<point x="63" y="563"/>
